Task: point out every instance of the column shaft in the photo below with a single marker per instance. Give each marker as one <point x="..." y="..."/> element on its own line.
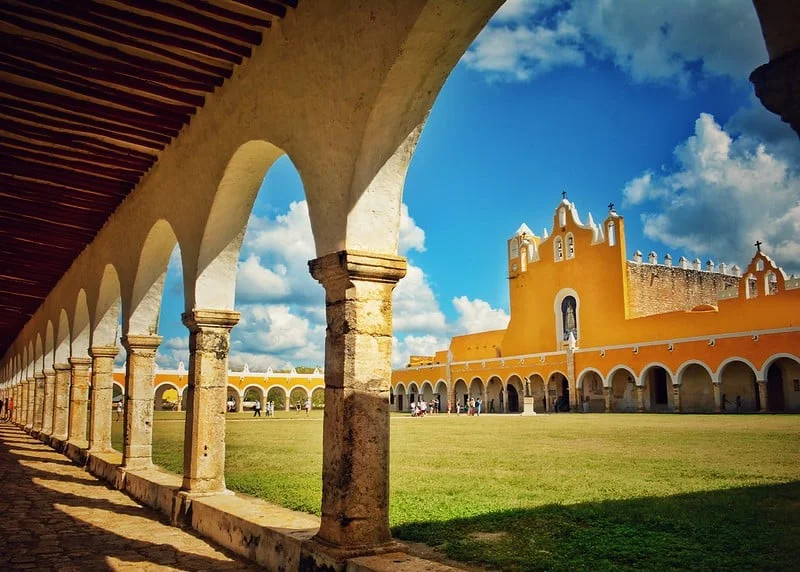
<point x="763" y="398"/>
<point x="49" y="390"/>
<point x="140" y="374"/>
<point x="717" y="397"/>
<point x="78" y="401"/>
<point x="204" y="440"/>
<point x="676" y="395"/>
<point x="38" y="403"/>
<point x="102" y="395"/>
<point x="640" y="399"/>
<point x="30" y="403"/>
<point x="61" y="401"/>
<point x="607" y="397"/>
<point x="358" y="346"/>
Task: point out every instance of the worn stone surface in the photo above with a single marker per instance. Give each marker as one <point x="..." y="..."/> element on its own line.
<point x="61" y="401"/>
<point x="358" y="345"/>
<point x="204" y="439"/>
<point x="56" y="516"/>
<point x="139" y="375"/>
<point x="49" y="400"/>
<point x="78" y="401"/>
<point x="38" y="402"/>
<point x="30" y="401"/>
<point x="102" y="395"/>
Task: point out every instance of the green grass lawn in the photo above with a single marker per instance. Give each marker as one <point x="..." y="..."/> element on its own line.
<point x="557" y="492"/>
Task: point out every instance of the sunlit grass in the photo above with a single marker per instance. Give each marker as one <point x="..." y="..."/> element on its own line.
<point x="553" y="492"/>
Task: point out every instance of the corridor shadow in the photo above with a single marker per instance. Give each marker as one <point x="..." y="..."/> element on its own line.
<point x="748" y="528"/>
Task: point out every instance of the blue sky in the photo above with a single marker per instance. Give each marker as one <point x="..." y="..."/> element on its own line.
<point x="644" y="104"/>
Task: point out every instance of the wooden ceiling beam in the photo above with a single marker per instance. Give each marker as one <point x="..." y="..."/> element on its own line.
<point x="205" y="6"/>
<point x="85" y="182"/>
<point x="99" y="156"/>
<point x="265" y="6"/>
<point x="56" y="56"/>
<point x="59" y="32"/>
<point x="143" y="138"/>
<point x="213" y="25"/>
<point x="79" y="166"/>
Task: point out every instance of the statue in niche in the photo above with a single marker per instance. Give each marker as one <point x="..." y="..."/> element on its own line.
<point x="570" y="322"/>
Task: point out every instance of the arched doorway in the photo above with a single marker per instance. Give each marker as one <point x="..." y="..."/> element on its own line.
<point x="538" y="393"/>
<point x="657" y="389"/>
<point x="426" y="393"/>
<point x="739" y="388"/>
<point x="590" y="386"/>
<point x="558" y="392"/>
<point x="494" y="390"/>
<point x="514" y="393"/>
<point x="441" y="395"/>
<point x="297" y="398"/>
<point x="253" y="395"/>
<point x="318" y="398"/>
<point x="697" y="391"/>
<point x="462" y="396"/>
<point x="776" y="396"/>
<point x="166" y="398"/>
<point x="622" y="386"/>
<point x="233" y="400"/>
<point x="277" y="395"/>
<point x="413" y="394"/>
<point x="399" y="396"/>
<point x="476" y="389"/>
<point x="783" y="382"/>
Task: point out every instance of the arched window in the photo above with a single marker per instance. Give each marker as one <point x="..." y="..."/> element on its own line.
<point x="558" y="249"/>
<point x="562" y="217"/>
<point x="770" y="283"/>
<point x="612" y="234"/>
<point x="569" y="317"/>
<point x="752" y="286"/>
<point x="759" y="265"/>
<point x="570" y="246"/>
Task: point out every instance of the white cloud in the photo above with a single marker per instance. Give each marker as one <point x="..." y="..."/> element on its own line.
<point x="414" y="305"/>
<point x="254" y="282"/>
<point x="478" y="316"/>
<point x="412" y="237"/>
<point x="723" y="195"/>
<point x="641" y="189"/>
<point x="425" y="345"/>
<point x="666" y="41"/>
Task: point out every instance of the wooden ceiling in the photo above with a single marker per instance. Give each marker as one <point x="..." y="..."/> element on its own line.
<point x="91" y="91"/>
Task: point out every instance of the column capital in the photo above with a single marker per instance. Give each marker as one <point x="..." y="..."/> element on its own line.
<point x="141" y="343"/>
<point x="62" y="367"/>
<point x="358" y="265"/>
<point x="80" y="361"/>
<point x="199" y="318"/>
<point x="31" y="379"/>
<point x="38" y="375"/>
<point x="49" y="372"/>
<point x="103" y="351"/>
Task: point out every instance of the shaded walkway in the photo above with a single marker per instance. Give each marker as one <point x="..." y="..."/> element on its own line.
<point x="56" y="516"/>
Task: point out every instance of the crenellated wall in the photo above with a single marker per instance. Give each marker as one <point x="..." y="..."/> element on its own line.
<point x="655" y="288"/>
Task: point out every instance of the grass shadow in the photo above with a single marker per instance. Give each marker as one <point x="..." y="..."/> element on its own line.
<point x="748" y="528"/>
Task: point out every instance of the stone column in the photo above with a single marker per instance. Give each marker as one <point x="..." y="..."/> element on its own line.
<point x="264" y="403"/>
<point x="78" y="401"/>
<point x="358" y="348"/>
<point x="102" y="395"/>
<point x="239" y="401"/>
<point x="762" y="395"/>
<point x="30" y="403"/>
<point x="204" y="439"/>
<point x="140" y="373"/>
<point x="61" y="401"/>
<point x="640" y="399"/>
<point x="286" y="403"/>
<point x="607" y="397"/>
<point x="676" y="397"/>
<point x="38" y="403"/>
<point x="17" y="402"/>
<point x="503" y="396"/>
<point x="717" y="397"/>
<point x="49" y="391"/>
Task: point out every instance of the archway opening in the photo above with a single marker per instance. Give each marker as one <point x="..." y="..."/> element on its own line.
<point x="233" y="401"/>
<point x="277" y="395"/>
<point x="783" y="381"/>
<point x="558" y="392"/>
<point x="318" y="398"/>
<point x="413" y="395"/>
<point x="591" y="393"/>
<point x="165" y="398"/>
<point x="623" y="391"/>
<point x="440" y="396"/>
<point x="476" y="390"/>
<point x="461" y="394"/>
<point x="399" y="396"/>
<point x="739" y="388"/>
<point x="254" y="400"/>
<point x="513" y="399"/>
<point x="494" y="389"/>
<point x="657" y="394"/>
<point x="538" y="393"/>
<point x="697" y="391"/>
<point x="297" y="398"/>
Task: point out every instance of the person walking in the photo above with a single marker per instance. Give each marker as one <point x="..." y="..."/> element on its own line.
<point x="478" y="405"/>
<point x="307" y="406"/>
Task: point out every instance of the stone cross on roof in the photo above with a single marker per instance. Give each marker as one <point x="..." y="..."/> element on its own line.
<point x="563" y="194"/>
<point x="758" y="245"/>
<point x="610" y="207"/>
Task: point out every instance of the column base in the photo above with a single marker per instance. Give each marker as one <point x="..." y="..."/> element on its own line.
<point x="316" y="554"/>
<point x="182" y="506"/>
<point x="58" y="443"/>
<point x="527" y="406"/>
<point x="77" y="452"/>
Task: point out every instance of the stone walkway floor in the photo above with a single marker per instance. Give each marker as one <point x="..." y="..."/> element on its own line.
<point x="56" y="516"/>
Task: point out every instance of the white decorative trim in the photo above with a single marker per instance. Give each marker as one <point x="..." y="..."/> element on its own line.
<point x="747" y="362"/>
<point x="579" y="381"/>
<point x="655" y="364"/>
<point x="620" y="367"/>
<point x="163" y="383"/>
<point x="678" y="379"/>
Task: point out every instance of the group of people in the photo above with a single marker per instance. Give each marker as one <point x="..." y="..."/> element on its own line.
<point x="725" y="403"/>
<point x="422" y="408"/>
<point x="473" y="406"/>
<point x="269" y="409"/>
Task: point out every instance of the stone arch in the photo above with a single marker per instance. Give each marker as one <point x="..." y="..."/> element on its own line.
<point x="440" y="391"/>
<point x="590" y="386"/>
<point x="318" y="397"/>
<point x="515" y="391"/>
<point x="214" y="273"/>
<point x="494" y="390"/>
<point x="781" y="373"/>
<point x="412" y="392"/>
<point x="738" y="385"/>
<point x="298" y="395"/>
<point x="696" y="387"/>
<point x="118" y="389"/>
<point x="233" y="399"/>
<point x="558" y="391"/>
<point x="621" y="382"/>
<point x="80" y="326"/>
<point x="143" y="302"/>
<point x="426" y="391"/>
<point x="105" y="324"/>
<point x="253" y="388"/>
<point x="476" y="387"/>
<point x="657" y="380"/>
<point x="278" y="395"/>
<point x="538" y="392"/>
<point x="162" y="404"/>
<point x="400" y="401"/>
<point x="460" y="392"/>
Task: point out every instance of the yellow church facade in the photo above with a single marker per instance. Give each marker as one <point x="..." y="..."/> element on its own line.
<point x="590" y="330"/>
